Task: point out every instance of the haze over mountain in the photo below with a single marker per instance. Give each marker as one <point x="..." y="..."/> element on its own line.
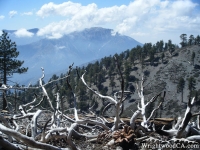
<point x="55" y="55"/>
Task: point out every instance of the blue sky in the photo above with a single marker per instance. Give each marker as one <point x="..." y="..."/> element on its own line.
<point x="143" y="20"/>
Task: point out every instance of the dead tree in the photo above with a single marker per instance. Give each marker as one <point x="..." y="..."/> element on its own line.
<point x="30" y="129"/>
<point x="117" y="100"/>
<point x="142" y="108"/>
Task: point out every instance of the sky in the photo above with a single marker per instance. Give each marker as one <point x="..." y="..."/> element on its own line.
<point x="144" y="20"/>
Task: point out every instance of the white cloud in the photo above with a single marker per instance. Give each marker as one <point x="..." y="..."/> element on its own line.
<point x="2" y="17"/>
<point x="27" y="13"/>
<point x="23" y="33"/>
<point x="64" y="9"/>
<point x="12" y="13"/>
<point x="139" y="18"/>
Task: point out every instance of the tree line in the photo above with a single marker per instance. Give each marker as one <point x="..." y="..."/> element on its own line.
<point x="188" y="42"/>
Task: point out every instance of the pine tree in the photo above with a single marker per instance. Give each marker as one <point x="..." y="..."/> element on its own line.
<point x="162" y="56"/>
<point x="8" y="62"/>
<point x="191" y="40"/>
<point x="180" y="86"/>
<point x="112" y="83"/>
<point x="132" y="56"/>
<point x="183" y="38"/>
<point x="170" y="46"/>
<point x="161" y="45"/>
<point x="198" y="39"/>
<point x="166" y="47"/>
<point x="191" y="85"/>
<point x="193" y="56"/>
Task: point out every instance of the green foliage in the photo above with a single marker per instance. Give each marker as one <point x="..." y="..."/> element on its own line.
<point x="159" y="46"/>
<point x="193" y="56"/>
<point x="171" y="47"/>
<point x="8" y="62"/>
<point x="83" y="106"/>
<point x="191" y="83"/>
<point x="112" y="83"/>
<point x="191" y="86"/>
<point x="8" y="54"/>
<point x="132" y="88"/>
<point x="162" y="56"/>
<point x="197" y="39"/>
<point x="191" y="40"/>
<point x="181" y="85"/>
<point x="183" y="38"/>
<point x="147" y="73"/>
<point x="166" y="47"/>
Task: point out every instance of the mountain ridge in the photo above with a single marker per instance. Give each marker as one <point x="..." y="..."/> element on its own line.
<point x="79" y="47"/>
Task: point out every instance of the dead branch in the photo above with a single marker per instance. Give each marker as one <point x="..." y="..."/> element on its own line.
<point x="186" y="118"/>
<point x="143" y="105"/>
<point x="29" y="141"/>
<point x="7" y="145"/>
<point x="44" y="90"/>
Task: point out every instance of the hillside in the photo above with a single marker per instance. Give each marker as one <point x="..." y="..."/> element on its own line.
<point x="162" y="73"/>
<point x="163" y="76"/>
<point x="80" y="97"/>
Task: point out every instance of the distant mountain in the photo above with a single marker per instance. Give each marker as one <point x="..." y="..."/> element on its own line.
<point x="79" y="47"/>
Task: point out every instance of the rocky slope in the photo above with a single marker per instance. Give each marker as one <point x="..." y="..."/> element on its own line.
<point x="164" y="76"/>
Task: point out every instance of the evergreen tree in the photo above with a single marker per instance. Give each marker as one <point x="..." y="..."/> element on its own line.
<point x="112" y="83"/>
<point x="110" y="71"/>
<point x="183" y="40"/>
<point x="126" y="54"/>
<point x="166" y="47"/>
<point x="161" y="45"/>
<point x="106" y="61"/>
<point x="132" y="56"/>
<point x="191" y="85"/>
<point x="193" y="56"/>
<point x="8" y="62"/>
<point x="170" y="46"/>
<point x="157" y="46"/>
<point x="191" y="40"/>
<point x="152" y="52"/>
<point x="180" y="86"/>
<point x="145" y="48"/>
<point x="162" y="56"/>
<point x="198" y="39"/>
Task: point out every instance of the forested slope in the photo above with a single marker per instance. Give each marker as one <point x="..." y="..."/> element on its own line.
<point x="165" y="67"/>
